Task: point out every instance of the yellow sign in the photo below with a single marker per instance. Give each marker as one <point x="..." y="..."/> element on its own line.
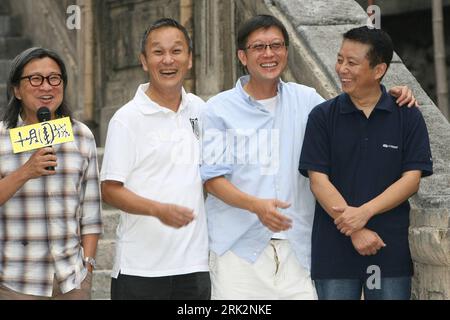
<point x="41" y="135"/>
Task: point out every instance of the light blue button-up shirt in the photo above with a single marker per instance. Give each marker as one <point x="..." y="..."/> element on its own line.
<point x="258" y="153"/>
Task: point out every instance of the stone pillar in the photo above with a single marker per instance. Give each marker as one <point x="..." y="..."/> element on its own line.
<point x="186" y="16"/>
<point x="44" y="22"/>
<point x="120" y="25"/>
<point x="86" y="65"/>
<point x="214" y="46"/>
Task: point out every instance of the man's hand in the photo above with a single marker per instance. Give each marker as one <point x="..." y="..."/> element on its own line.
<point x="266" y="210"/>
<point x="404" y="96"/>
<point x="351" y="219"/>
<point x="41" y="159"/>
<point x="367" y="242"/>
<point x="175" y="216"/>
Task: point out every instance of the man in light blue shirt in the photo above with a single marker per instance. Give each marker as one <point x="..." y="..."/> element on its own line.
<point x="260" y="209"/>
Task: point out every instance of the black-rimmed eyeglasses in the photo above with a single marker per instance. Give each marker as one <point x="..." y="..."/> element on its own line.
<point x="261" y="47"/>
<point x="36" y="80"/>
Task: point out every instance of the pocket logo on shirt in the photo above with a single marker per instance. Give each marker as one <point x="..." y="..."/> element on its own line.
<point x="195" y="127"/>
<point x="390" y="146"/>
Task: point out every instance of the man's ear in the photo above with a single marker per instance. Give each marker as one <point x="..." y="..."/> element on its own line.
<point x="380" y="70"/>
<point x="190" y="61"/>
<point x="143" y="59"/>
<point x="17" y="93"/>
<point x="242" y="57"/>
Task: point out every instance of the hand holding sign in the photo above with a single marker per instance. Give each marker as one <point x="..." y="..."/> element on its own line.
<point x="37" y="165"/>
<point x="43" y="114"/>
<point x="41" y="135"/>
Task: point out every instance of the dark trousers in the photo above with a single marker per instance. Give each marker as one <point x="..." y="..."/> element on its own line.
<point x="192" y="286"/>
<point x="396" y="288"/>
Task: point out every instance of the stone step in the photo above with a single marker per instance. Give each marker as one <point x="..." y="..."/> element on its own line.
<point x="5" y="65"/>
<point x="106" y="250"/>
<point x="101" y="285"/>
<point x="110" y="219"/>
<point x="10" y="26"/>
<point x="437" y="184"/>
<point x="12" y="46"/>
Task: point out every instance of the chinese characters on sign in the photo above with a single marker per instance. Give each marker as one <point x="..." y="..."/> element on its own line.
<point x="41" y="135"/>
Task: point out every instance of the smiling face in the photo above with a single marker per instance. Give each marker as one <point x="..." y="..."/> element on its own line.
<point x="167" y="58"/>
<point x="353" y="68"/>
<point x="32" y="98"/>
<point x="268" y="64"/>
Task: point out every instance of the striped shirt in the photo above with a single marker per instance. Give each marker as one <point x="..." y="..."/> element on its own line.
<point x="40" y="225"/>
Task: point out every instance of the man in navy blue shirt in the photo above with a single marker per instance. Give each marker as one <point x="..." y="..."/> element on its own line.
<point x="364" y="157"/>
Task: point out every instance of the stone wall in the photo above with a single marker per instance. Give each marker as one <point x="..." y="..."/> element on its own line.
<point x="413" y="37"/>
<point x="214" y="47"/>
<point x="44" y="23"/>
<point x="394" y="7"/>
<point x="120" y="26"/>
<point x="410" y="25"/>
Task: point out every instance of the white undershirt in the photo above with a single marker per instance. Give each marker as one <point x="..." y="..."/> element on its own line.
<point x="270" y="104"/>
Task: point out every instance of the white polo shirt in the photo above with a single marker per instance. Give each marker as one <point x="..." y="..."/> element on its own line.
<point x="155" y="153"/>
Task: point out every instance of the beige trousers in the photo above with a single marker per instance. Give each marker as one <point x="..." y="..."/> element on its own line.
<point x="276" y="275"/>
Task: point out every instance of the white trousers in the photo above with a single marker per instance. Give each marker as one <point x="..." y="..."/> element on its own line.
<point x="276" y="275"/>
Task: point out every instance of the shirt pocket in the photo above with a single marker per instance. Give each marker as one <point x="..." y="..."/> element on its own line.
<point x="387" y="161"/>
<point x="161" y="146"/>
<point x="390" y="152"/>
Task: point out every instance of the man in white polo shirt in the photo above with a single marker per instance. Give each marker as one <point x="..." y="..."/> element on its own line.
<point x="150" y="172"/>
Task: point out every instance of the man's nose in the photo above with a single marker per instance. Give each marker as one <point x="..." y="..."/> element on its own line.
<point x="167" y="59"/>
<point x="268" y="51"/>
<point x="45" y="85"/>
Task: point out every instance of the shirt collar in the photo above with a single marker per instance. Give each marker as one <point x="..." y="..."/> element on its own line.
<point x="20" y="122"/>
<point x="243" y="81"/>
<point x="148" y="107"/>
<point x="384" y="103"/>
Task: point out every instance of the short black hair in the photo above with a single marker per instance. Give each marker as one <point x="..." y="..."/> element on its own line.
<point x="10" y="113"/>
<point x="257" y="22"/>
<point x="381" y="47"/>
<point x="162" y="23"/>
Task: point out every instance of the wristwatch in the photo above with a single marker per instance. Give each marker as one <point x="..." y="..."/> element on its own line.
<point x="91" y="261"/>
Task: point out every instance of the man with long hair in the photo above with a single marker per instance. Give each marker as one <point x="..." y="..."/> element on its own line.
<point x="50" y="208"/>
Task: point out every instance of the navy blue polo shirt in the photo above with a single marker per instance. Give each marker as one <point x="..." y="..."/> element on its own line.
<point x="362" y="158"/>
